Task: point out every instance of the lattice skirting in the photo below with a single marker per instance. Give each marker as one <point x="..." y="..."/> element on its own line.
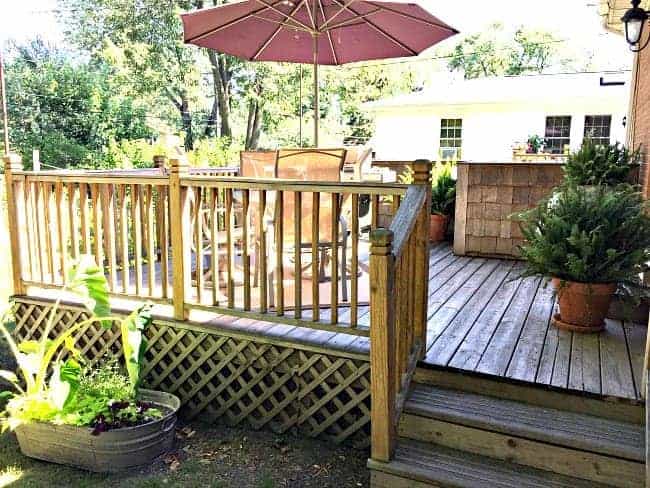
<point x="234" y="378"/>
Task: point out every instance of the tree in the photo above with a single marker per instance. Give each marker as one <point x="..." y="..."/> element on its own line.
<point x="70" y="111"/>
<point x="495" y="53"/>
<point x="145" y="40"/>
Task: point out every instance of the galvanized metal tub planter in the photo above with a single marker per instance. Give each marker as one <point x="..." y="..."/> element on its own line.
<point x="114" y="450"/>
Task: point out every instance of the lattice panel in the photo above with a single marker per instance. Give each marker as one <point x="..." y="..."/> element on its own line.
<point x="236" y="380"/>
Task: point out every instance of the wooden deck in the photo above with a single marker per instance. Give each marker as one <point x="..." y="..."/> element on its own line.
<point x="483" y="318"/>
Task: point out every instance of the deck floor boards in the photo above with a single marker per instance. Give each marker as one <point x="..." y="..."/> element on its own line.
<point x="483" y="318"/>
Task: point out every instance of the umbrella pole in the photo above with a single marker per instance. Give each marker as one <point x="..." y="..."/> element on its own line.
<point x="316" y="106"/>
<point x="3" y="94"/>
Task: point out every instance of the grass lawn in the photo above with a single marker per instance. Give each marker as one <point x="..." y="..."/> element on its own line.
<point x="207" y="456"/>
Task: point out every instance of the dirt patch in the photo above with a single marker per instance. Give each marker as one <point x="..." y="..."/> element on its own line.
<point x="209" y="456"/>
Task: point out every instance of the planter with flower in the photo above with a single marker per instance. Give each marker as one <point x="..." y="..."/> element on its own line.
<point x="91" y="416"/>
<point x="589" y="241"/>
<point x="443" y="201"/>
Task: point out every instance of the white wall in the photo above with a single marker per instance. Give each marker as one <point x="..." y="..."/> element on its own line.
<point x="489" y="130"/>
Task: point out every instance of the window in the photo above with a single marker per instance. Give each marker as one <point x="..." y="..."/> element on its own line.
<point x="557" y="135"/>
<point x="597" y="128"/>
<point x="451" y="138"/>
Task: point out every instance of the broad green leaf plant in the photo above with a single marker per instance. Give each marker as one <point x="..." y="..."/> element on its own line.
<point x="45" y="384"/>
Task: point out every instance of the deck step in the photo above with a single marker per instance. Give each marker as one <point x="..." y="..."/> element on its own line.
<point x="573" y="444"/>
<point x="419" y="465"/>
<point x="625" y="410"/>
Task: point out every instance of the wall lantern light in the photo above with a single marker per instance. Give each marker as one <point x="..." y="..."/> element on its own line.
<point x="634" y="20"/>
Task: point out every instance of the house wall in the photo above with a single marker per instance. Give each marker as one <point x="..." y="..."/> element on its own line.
<point x="489" y="130"/>
<point x="641" y="113"/>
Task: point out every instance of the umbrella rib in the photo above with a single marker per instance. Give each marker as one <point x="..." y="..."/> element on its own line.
<point x="327" y="21"/>
<point x="381" y="31"/>
<point x="277" y="10"/>
<point x="209" y="32"/>
<point x="353" y="21"/>
<point x="283" y="24"/>
<point x="329" y="37"/>
<point x="266" y="43"/>
<point x="311" y="16"/>
<point x="413" y="17"/>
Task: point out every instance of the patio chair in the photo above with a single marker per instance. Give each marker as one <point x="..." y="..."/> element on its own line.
<point x="313" y="165"/>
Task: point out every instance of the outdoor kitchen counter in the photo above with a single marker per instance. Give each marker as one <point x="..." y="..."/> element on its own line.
<point x="488" y="193"/>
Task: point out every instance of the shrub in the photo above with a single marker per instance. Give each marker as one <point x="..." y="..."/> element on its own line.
<point x="595" y="164"/>
<point x="588" y="235"/>
<point x="443" y="193"/>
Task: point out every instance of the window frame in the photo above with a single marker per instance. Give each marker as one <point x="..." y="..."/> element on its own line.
<point x="555" y="144"/>
<point x="601" y="126"/>
<point x="451" y="137"/>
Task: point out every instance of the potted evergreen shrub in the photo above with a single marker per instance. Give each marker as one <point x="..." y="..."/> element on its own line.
<point x="596" y="164"/>
<point x="92" y="416"/>
<point x="443" y="201"/>
<point x="588" y="241"/>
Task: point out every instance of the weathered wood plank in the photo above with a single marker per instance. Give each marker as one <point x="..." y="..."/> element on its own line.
<point x="616" y="374"/>
<point x="497" y="355"/>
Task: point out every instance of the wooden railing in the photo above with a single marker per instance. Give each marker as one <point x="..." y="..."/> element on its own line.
<point x="207" y="239"/>
<point x="399" y="276"/>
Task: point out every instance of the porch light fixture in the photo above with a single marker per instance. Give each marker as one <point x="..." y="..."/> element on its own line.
<point x="634" y="20"/>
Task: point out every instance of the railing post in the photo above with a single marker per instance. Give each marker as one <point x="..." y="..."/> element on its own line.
<point x="422" y="176"/>
<point x="179" y="224"/>
<point x="15" y="193"/>
<point x="382" y="346"/>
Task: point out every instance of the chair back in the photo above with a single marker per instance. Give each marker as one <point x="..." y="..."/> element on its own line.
<point x="258" y="164"/>
<point x="309" y="165"/>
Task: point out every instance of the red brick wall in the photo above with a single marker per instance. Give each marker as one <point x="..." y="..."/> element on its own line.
<point x="641" y="114"/>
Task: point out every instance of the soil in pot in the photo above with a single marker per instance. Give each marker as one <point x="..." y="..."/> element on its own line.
<point x="438" y="227"/>
<point x="583" y="306"/>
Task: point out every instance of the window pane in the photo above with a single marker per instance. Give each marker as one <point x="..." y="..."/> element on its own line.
<point x="557" y="133"/>
<point x="598" y="128"/>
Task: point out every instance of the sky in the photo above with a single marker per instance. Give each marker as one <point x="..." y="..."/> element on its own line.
<point x="574" y="20"/>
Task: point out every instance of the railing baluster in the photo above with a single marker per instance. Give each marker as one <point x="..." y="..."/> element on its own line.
<point x="245" y="250"/>
<point x="136" y="219"/>
<point x="38" y="211"/>
<point x="73" y="220"/>
<point x="354" y="279"/>
<point x="124" y="236"/>
<point x="108" y="213"/>
<point x="334" y="271"/>
<point x="297" y="253"/>
<point x="29" y="221"/>
<point x="97" y="239"/>
<point x="214" y="244"/>
<point x="279" y="251"/>
<point x="163" y="238"/>
<point x="83" y="214"/>
<point x="47" y="204"/>
<point x="60" y="230"/>
<point x="374" y="211"/>
<point x="230" y="249"/>
<point x="315" y="271"/>
<point x="262" y="252"/>
<point x="198" y="241"/>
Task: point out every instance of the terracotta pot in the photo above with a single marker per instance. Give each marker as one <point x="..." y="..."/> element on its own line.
<point x="438" y="227"/>
<point x="583" y="306"/>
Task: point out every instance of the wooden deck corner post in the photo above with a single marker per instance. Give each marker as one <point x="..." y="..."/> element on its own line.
<point x="179" y="226"/>
<point x="382" y="346"/>
<point x="422" y="176"/>
<point x="15" y="188"/>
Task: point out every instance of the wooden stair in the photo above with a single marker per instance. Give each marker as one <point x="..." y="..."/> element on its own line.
<point x="449" y="437"/>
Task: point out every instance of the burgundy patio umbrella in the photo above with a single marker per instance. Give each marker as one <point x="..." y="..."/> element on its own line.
<point x="322" y="32"/>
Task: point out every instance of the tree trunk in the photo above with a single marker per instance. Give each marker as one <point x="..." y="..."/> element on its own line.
<point x="221" y="80"/>
<point x="211" y="123"/>
<point x="186" y="117"/>
<point x="254" y="125"/>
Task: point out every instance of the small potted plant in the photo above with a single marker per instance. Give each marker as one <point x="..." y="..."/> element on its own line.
<point x="597" y="164"/>
<point x="534" y="144"/>
<point x="443" y="200"/>
<point x="95" y="417"/>
<point x="588" y="241"/>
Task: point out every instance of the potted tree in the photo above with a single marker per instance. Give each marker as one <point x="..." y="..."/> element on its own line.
<point x="597" y="164"/>
<point x="443" y="200"/>
<point x="588" y="241"/>
<point x="91" y="416"/>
